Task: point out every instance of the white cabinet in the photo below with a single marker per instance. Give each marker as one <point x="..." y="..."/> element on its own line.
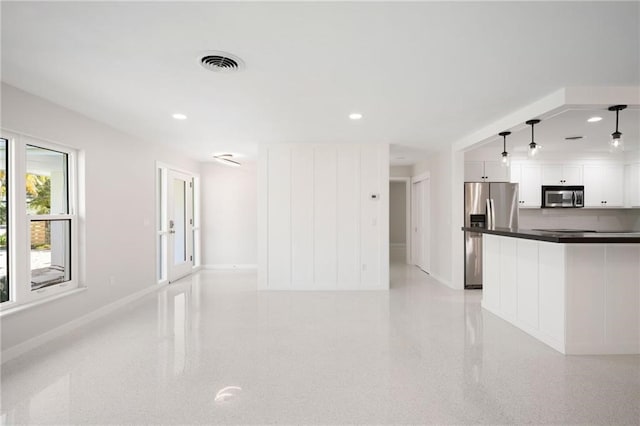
<point x="561" y="174"/>
<point x="474" y="171"/>
<point x="529" y="180"/>
<point x="485" y="171"/>
<point x="577" y="298"/>
<point x="604" y="185"/>
<point x="632" y="185"/>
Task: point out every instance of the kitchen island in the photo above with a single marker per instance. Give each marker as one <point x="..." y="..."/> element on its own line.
<point x="577" y="292"/>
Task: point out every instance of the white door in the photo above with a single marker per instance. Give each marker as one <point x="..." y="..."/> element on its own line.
<point x="180" y="224"/>
<point x="420" y="225"/>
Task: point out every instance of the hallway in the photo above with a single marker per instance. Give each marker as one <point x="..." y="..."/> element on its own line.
<point x="210" y="349"/>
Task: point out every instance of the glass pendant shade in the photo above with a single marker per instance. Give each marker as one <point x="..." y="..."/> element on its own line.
<point x="504" y="156"/>
<point x="505" y="159"/>
<point x="534" y="148"/>
<point x="616" y="143"/>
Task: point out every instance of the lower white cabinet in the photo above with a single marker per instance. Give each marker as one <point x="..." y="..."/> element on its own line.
<point x="577" y="298"/>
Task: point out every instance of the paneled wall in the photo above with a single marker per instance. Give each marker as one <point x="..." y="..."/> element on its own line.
<point x="323" y="217"/>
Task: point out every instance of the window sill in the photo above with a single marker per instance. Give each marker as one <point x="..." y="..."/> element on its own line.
<point x="19" y="308"/>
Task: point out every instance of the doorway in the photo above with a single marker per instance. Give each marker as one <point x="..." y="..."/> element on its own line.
<point x="178" y="229"/>
<point x="420" y="222"/>
<point x="399" y="220"/>
<point x="180" y="224"/>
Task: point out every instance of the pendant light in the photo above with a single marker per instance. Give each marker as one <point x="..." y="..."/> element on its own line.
<point x="617" y="143"/>
<point x="533" y="146"/>
<point x="504" y="159"/>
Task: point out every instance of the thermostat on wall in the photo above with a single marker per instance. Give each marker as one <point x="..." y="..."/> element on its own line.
<point x="375" y="196"/>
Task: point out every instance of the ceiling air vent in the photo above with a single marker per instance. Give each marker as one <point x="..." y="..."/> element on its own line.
<point x="572" y="138"/>
<point x="221" y="61"/>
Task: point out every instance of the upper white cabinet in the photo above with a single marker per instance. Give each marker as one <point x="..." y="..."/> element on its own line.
<point x="561" y="174"/>
<point x="632" y="185"/>
<point x="604" y="185"/>
<point x="474" y="171"/>
<point x="485" y="171"/>
<point x="529" y="180"/>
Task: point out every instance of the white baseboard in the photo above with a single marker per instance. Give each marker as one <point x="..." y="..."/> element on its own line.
<point x="34" y="342"/>
<point x="441" y="280"/>
<point x="231" y="266"/>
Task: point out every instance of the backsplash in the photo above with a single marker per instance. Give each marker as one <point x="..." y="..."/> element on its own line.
<point x="592" y="219"/>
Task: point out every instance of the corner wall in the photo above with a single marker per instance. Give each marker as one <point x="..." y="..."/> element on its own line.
<point x="229" y="216"/>
<point x="439" y="168"/>
<point x="118" y="210"/>
<point x="318" y="226"/>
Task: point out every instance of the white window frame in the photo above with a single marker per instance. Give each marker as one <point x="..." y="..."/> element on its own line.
<point x="19" y="221"/>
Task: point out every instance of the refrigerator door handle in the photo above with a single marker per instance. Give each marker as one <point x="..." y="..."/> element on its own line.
<point x="490" y="216"/>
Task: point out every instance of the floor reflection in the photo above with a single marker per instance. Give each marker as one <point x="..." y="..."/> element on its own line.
<point x="473" y="353"/>
<point x="178" y="325"/>
<point x="210" y="349"/>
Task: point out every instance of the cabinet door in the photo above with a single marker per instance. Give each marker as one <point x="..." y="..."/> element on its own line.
<point x="612" y="184"/>
<point x="473" y="171"/>
<point x="632" y="185"/>
<point x="552" y="174"/>
<point x="494" y="171"/>
<point x="572" y="175"/>
<point x="592" y="186"/>
<point x="515" y="172"/>
<point x="491" y="271"/>
<point x="530" y="182"/>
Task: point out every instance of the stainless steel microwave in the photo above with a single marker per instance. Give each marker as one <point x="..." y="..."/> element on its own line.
<point x="562" y="196"/>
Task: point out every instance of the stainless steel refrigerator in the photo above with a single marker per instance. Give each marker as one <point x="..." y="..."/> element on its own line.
<point x="490" y="205"/>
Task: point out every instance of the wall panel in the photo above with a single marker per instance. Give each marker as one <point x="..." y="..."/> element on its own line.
<point x="369" y="217"/>
<point x="279" y="219"/>
<point x="319" y="228"/>
<point x="325" y="219"/>
<point x="348" y="220"/>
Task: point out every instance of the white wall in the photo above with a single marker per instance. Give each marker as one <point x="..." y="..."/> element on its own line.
<point x="229" y="215"/>
<point x="397" y="213"/>
<point x="400" y="171"/>
<point x="318" y="227"/>
<point x="117" y="217"/>
<point x="593" y="219"/>
<point x="439" y="168"/>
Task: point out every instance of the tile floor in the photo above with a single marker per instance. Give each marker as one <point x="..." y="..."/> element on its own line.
<point x="210" y="349"/>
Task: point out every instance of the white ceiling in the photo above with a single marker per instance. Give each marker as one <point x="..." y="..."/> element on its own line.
<point x="551" y="132"/>
<point x="423" y="74"/>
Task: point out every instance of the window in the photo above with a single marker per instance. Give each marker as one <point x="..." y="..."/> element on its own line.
<point x="4" y="259"/>
<point x="38" y="217"/>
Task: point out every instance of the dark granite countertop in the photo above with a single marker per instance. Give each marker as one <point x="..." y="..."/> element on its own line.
<point x="563" y="237"/>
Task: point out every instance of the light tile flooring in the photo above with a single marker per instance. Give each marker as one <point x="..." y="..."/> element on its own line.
<point x="210" y="349"/>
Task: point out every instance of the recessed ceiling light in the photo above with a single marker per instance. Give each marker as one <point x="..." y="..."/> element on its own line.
<point x="594" y="119"/>
<point x="179" y="116"/>
<point x="355" y="116"/>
